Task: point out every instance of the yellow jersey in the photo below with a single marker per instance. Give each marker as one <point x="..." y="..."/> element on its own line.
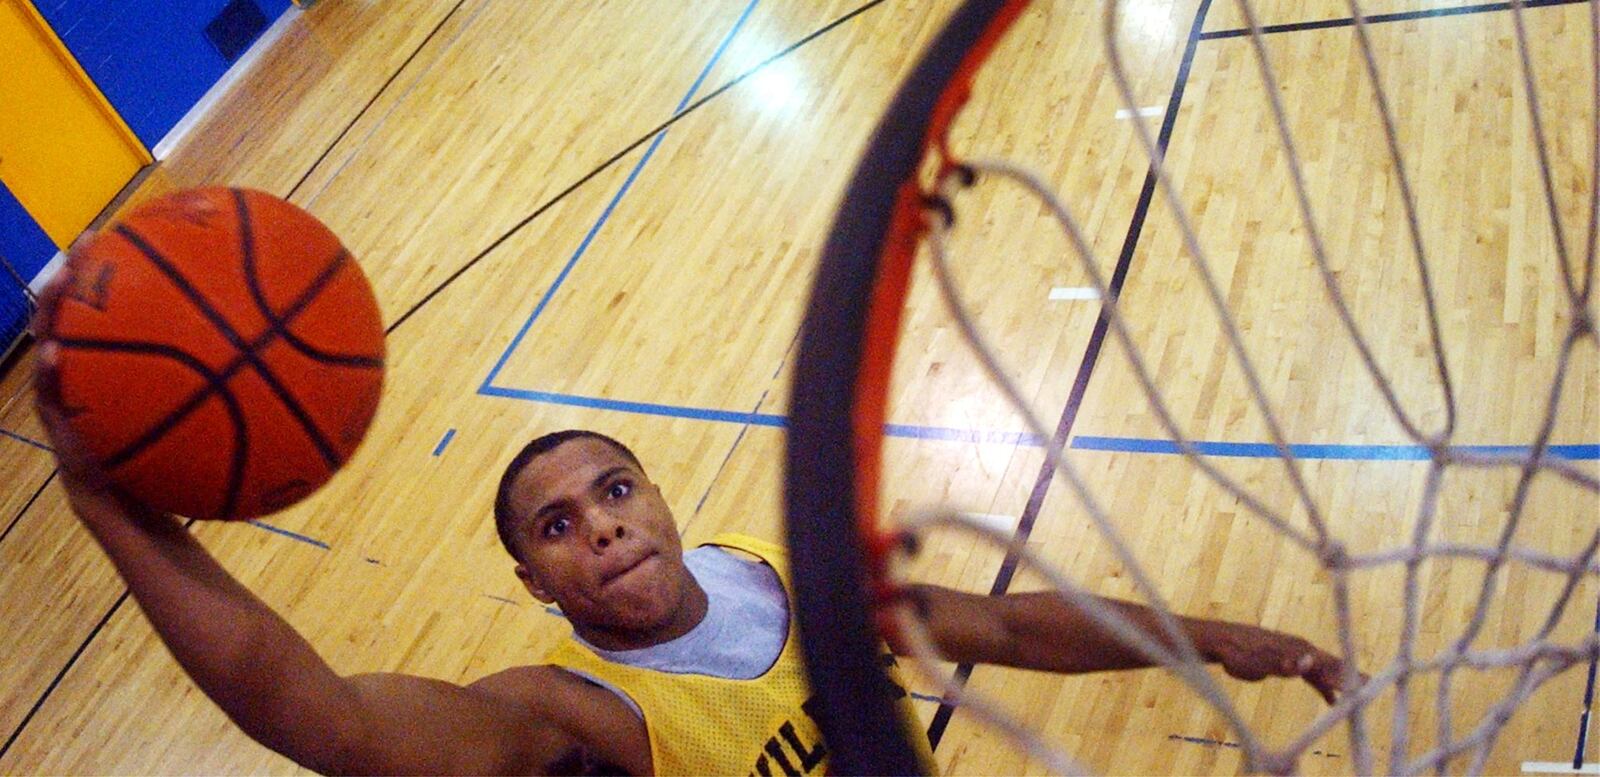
<point x="699" y="724"/>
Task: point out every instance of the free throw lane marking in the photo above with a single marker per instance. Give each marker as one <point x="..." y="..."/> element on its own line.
<point x="997" y="521"/>
<point x="1074" y="292"/>
<point x="1148" y="110"/>
<point x="1558" y="767"/>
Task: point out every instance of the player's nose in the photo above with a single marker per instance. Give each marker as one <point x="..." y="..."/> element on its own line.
<point x="604" y="528"/>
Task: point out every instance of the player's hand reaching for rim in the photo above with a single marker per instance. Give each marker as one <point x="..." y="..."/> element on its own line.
<point x="1251" y="653"/>
<point x="1042" y="630"/>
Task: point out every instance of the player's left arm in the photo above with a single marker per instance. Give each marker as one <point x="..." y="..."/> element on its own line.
<point x="1044" y="631"/>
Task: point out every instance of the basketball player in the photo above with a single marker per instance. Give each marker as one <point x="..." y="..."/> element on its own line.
<point x="678" y="662"/>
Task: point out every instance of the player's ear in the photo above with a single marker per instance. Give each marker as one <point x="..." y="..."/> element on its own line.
<point x="530" y="582"/>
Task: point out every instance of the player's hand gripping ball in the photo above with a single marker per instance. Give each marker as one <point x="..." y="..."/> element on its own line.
<point x="217" y="353"/>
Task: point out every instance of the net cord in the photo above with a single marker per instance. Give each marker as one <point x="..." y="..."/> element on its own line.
<point x="925" y="656"/>
<point x="1331" y="555"/>
<point x="1437" y="442"/>
<point x="1537" y="661"/>
<point x="1186" y="661"/>
<point x="1480" y="611"/>
<point x="1338" y="564"/>
<point x="1327" y="547"/>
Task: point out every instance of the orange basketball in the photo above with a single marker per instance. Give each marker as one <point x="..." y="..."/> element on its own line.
<point x="221" y="354"/>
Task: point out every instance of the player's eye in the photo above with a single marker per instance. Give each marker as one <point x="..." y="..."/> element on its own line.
<point x="619" y="489"/>
<point x="556" y="527"/>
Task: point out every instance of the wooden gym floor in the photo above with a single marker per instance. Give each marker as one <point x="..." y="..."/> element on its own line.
<point x="550" y="252"/>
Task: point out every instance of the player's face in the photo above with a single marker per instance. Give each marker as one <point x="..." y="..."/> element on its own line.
<point x="596" y="537"/>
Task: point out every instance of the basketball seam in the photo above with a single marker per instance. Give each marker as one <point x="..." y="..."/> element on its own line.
<point x="281" y="325"/>
<point x="214" y="383"/>
<point x="193" y="402"/>
<point x="324" y="448"/>
<point x="217" y="388"/>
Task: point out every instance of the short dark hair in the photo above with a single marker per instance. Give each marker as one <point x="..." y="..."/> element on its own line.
<point x="504" y="516"/>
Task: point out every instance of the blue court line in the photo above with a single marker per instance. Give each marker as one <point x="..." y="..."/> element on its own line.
<point x="448" y="434"/>
<point x="1260" y="450"/>
<point x="1252" y="450"/>
<point x="641" y="408"/>
<point x="291" y="535"/>
<point x="605" y="215"/>
<point x="29" y="440"/>
<point x="946" y="434"/>
<point x="950" y="434"/>
<point x="942" y="433"/>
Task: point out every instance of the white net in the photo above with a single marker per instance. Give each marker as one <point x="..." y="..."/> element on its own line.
<point x="1454" y="736"/>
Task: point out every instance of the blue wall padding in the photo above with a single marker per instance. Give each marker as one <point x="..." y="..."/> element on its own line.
<point x="26" y="247"/>
<point x="22" y="242"/>
<point x="151" y="58"/>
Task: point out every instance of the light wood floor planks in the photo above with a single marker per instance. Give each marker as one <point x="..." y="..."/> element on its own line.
<point x="546" y="261"/>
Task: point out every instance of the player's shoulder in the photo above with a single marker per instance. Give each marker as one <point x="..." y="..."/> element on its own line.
<point x="593" y="719"/>
<point x="559" y="697"/>
<point x="539" y="686"/>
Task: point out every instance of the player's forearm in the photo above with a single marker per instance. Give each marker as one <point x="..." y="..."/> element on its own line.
<point x="1043" y="631"/>
<point x="1051" y="634"/>
<point x="246" y="658"/>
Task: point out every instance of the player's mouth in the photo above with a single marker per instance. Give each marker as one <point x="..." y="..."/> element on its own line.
<point x="607" y="578"/>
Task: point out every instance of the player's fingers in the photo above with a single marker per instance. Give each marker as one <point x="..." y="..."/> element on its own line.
<point x="75" y="463"/>
<point x="1328" y="678"/>
<point x="47" y="391"/>
<point x="1318" y="675"/>
<point x="1296" y="665"/>
<point x="47" y="395"/>
<point x="46" y="363"/>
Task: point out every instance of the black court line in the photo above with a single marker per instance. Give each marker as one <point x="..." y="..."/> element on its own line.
<point x="1091" y="356"/>
<point x="1209" y="742"/>
<point x="1588" y="705"/>
<point x="26" y="440"/>
<point x="717" y="477"/>
<point x="62" y="674"/>
<point x="363" y="112"/>
<point x="28" y="504"/>
<point x="1382" y="18"/>
<point x="614" y="158"/>
<point x="71" y="662"/>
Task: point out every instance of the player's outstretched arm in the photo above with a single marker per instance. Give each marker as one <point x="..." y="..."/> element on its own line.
<point x="1043" y="631"/>
<point x="269" y="680"/>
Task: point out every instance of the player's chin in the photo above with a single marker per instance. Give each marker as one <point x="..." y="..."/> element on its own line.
<point x="642" y="610"/>
<point x="639" y="616"/>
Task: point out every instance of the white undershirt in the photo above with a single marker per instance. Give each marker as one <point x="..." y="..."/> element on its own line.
<point x="746" y="624"/>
